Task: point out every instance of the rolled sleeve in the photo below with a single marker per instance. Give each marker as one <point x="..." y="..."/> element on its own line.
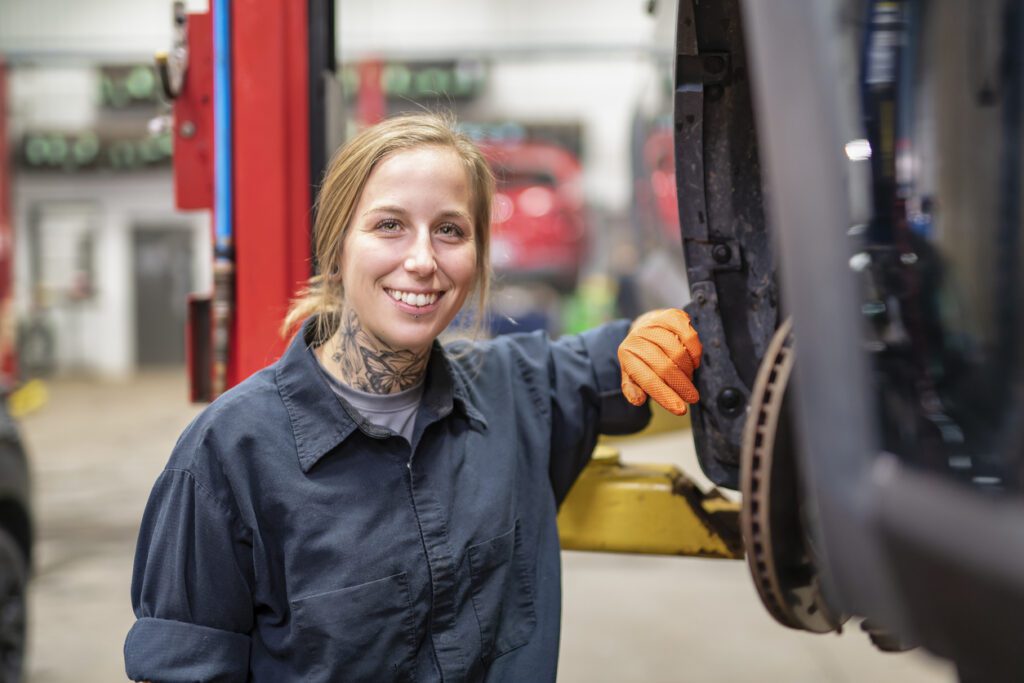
<point x="617" y="415"/>
<point x="165" y="650"/>
<point x="191" y="587"/>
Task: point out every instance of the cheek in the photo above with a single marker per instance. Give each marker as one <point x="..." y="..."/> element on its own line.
<point x="362" y="260"/>
<point x="465" y="268"/>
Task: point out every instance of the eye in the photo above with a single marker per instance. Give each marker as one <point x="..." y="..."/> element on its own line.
<point x="388" y="225"/>
<point x="451" y="230"/>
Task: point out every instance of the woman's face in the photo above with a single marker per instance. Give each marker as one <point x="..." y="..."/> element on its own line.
<point x="408" y="259"/>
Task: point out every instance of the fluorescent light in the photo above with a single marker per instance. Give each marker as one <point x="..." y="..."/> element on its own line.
<point x="858" y="150"/>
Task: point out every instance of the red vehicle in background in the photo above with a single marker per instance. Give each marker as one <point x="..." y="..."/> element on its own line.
<point x="538" y="226"/>
<point x="660" y="165"/>
<point x="655" y="187"/>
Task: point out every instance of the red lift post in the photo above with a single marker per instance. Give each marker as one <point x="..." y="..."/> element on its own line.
<point x="272" y="189"/>
<point x="271" y="183"/>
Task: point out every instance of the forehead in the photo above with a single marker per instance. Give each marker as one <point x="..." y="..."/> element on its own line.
<point x="433" y="169"/>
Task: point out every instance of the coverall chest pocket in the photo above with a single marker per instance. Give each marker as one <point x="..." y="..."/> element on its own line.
<point x="502" y="581"/>
<point x="360" y="633"/>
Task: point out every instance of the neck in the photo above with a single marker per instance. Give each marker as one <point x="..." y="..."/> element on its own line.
<point x="366" y="363"/>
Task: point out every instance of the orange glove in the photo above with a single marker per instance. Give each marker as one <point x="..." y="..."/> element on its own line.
<point x="658" y="357"/>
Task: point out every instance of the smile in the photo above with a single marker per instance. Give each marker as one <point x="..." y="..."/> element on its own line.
<point x="412" y="298"/>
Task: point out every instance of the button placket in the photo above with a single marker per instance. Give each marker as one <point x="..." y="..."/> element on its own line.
<point x="442" y="571"/>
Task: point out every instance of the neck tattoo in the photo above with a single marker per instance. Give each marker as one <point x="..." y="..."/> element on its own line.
<point x="368" y="364"/>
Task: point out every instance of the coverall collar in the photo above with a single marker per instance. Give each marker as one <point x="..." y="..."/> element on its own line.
<point x="321" y="421"/>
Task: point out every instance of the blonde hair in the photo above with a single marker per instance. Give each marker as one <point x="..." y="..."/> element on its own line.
<point x="342" y="187"/>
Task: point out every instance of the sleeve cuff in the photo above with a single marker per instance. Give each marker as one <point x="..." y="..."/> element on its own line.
<point x="166" y="650"/>
<point x="618" y="416"/>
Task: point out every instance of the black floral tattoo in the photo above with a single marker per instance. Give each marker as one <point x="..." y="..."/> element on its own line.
<point x="368" y="364"/>
<point x="388" y="372"/>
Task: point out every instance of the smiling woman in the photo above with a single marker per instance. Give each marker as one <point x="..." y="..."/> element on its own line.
<point x="403" y="231"/>
<point x="408" y="261"/>
<point x="376" y="506"/>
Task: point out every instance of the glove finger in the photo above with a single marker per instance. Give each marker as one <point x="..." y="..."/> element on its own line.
<point x="669" y="343"/>
<point x="678" y="322"/>
<point x="662" y="366"/>
<point x="633" y="393"/>
<point x="653" y="384"/>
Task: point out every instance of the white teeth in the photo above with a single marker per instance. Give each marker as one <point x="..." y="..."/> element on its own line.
<point x="418" y="300"/>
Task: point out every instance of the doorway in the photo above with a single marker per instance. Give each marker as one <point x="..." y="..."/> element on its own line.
<point x="163" y="279"/>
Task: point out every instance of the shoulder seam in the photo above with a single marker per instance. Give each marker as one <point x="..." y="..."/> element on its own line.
<point x="209" y="494"/>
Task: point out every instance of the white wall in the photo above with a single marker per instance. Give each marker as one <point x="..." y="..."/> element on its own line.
<point x="133" y="29"/>
<point x="452" y="26"/>
<point x="125" y="30"/>
<point x="98" y="336"/>
<point x="61" y="97"/>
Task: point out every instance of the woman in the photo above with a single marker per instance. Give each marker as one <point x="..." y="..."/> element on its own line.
<point x="375" y="507"/>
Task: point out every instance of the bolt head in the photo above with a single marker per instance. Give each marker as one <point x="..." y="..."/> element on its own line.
<point x="730" y="401"/>
<point x="714" y="64"/>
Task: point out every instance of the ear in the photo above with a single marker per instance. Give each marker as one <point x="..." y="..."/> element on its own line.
<point x="334" y="273"/>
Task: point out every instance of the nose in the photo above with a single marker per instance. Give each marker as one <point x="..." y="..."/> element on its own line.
<point x="420" y="260"/>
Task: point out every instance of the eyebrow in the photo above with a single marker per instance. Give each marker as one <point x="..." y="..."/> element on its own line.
<point x="388" y="208"/>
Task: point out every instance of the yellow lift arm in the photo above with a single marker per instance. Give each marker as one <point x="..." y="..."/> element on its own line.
<point x="646" y="508"/>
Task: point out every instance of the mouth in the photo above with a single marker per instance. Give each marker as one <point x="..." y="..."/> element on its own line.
<point x="415" y="300"/>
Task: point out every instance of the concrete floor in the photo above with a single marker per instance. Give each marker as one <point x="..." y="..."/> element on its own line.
<point x="97" y="448"/>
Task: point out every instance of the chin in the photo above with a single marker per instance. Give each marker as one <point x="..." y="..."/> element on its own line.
<point x="412" y="340"/>
<point x="401" y="332"/>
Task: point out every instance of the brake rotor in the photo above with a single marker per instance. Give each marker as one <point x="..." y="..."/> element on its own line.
<point x="778" y="548"/>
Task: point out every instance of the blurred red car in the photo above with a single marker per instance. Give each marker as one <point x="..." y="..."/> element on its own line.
<point x="657" y="211"/>
<point x="538" y="228"/>
<point x="660" y="183"/>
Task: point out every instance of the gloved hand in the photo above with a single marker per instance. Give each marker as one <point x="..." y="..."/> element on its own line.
<point x="658" y="358"/>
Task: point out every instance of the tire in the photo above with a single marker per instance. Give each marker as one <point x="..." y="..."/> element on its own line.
<point x="13" y="608"/>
